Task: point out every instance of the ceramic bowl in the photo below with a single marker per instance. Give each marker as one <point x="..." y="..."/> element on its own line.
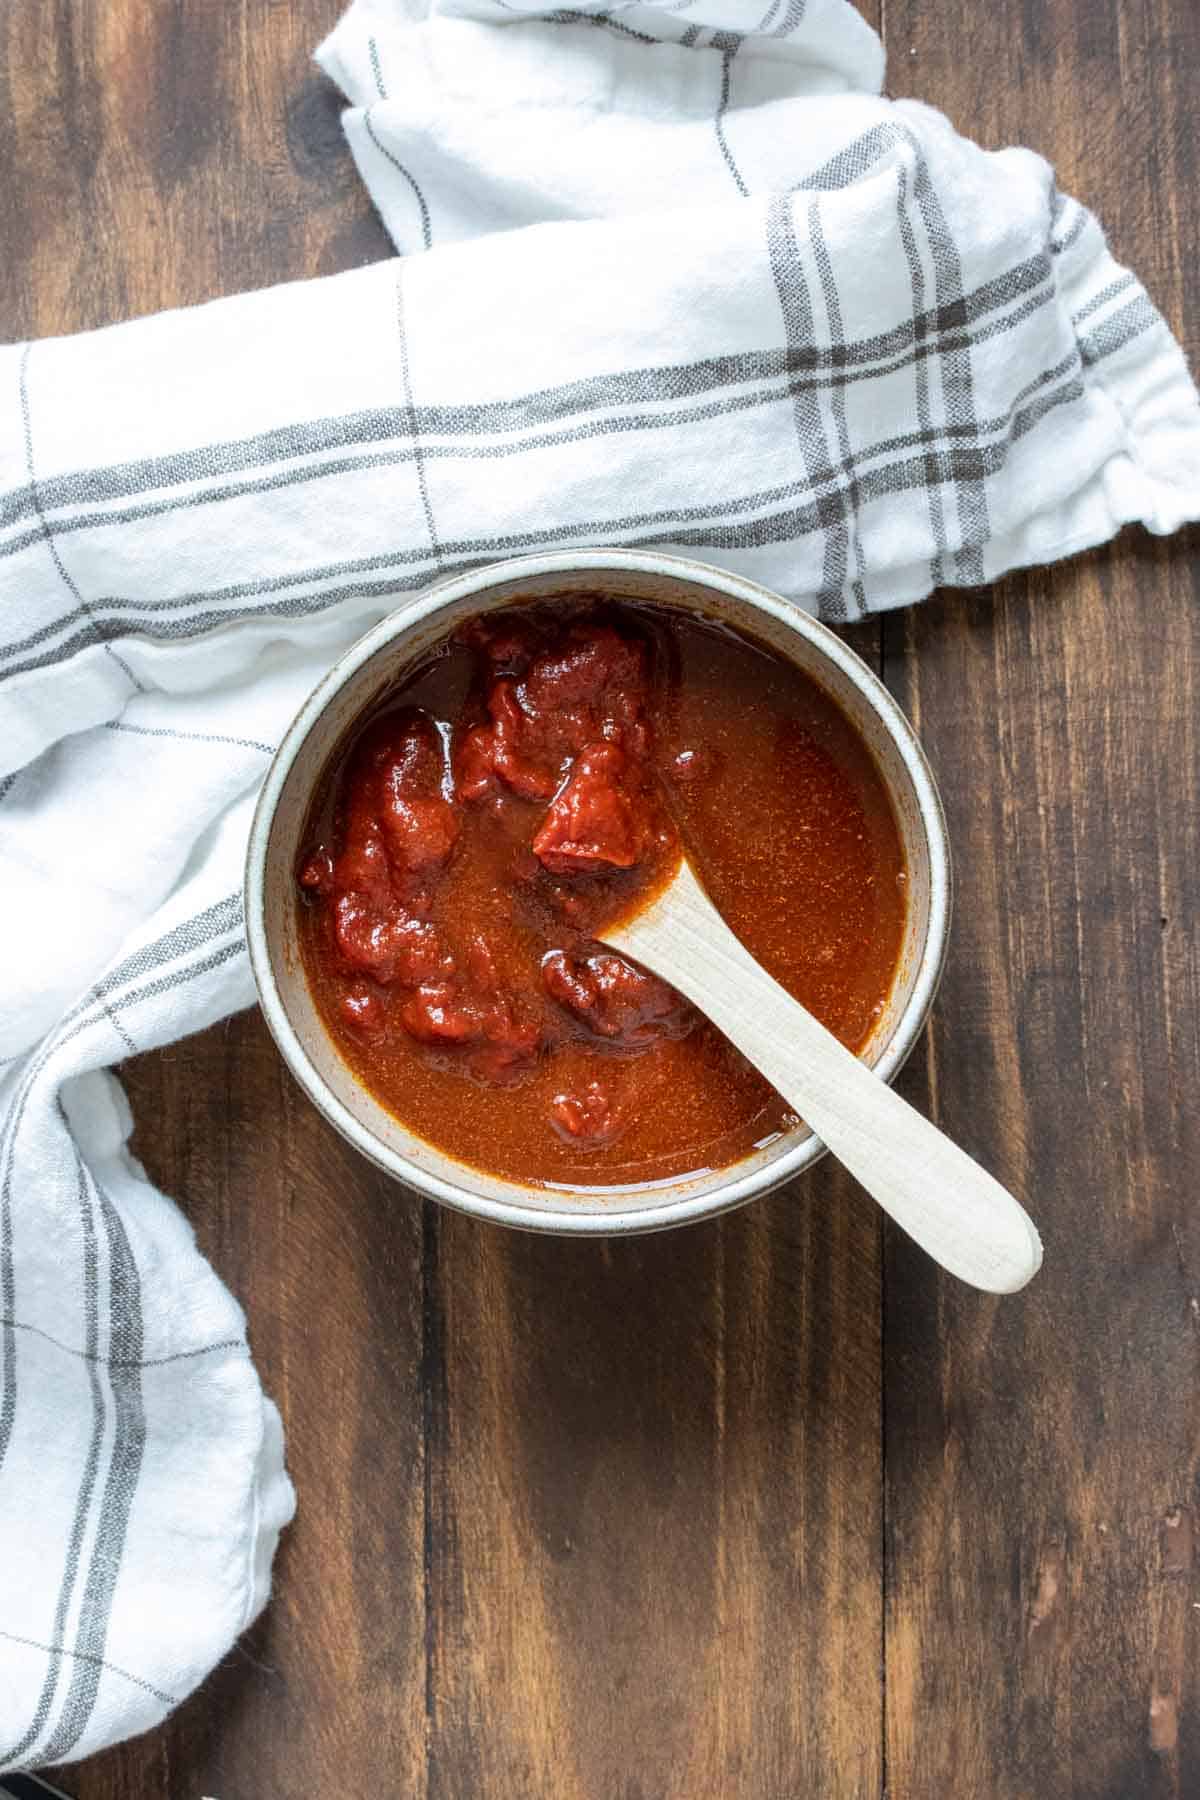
<point x="368" y="670"/>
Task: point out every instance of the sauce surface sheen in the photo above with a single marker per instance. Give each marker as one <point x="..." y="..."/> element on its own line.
<point x="532" y="779"/>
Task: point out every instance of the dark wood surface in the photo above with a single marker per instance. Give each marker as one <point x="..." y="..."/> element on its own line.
<point x="765" y="1508"/>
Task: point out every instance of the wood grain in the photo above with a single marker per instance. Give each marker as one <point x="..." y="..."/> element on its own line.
<point x="606" y="1522"/>
<point x="1042" y="1457"/>
<point x="162" y="155"/>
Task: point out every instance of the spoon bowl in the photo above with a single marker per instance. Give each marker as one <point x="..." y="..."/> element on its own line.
<point x="954" y="1209"/>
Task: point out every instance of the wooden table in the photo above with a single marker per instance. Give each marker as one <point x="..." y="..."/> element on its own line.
<point x="762" y="1510"/>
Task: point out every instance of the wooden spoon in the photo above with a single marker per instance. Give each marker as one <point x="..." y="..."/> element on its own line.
<point x="947" y="1203"/>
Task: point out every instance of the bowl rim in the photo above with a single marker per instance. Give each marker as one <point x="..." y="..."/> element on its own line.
<point x="395" y="626"/>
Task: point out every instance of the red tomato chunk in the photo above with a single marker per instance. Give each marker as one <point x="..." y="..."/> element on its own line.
<point x="565" y="725"/>
<point x="616" y="1000"/>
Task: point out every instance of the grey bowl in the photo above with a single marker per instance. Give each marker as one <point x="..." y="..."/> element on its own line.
<point x="372" y="666"/>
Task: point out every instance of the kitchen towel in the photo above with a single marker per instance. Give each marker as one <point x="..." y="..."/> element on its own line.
<point x="672" y="275"/>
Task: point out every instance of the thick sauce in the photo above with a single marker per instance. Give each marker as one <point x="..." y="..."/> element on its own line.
<point x="531" y="781"/>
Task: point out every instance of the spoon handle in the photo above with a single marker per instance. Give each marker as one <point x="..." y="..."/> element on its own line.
<point x="949" y="1205"/>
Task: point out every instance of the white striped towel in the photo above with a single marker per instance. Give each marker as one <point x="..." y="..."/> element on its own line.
<point x="687" y="280"/>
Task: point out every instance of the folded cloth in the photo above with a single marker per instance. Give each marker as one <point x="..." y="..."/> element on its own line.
<point x="729" y="300"/>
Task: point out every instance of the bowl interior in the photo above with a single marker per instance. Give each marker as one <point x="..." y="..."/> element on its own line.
<point x="274" y="910"/>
